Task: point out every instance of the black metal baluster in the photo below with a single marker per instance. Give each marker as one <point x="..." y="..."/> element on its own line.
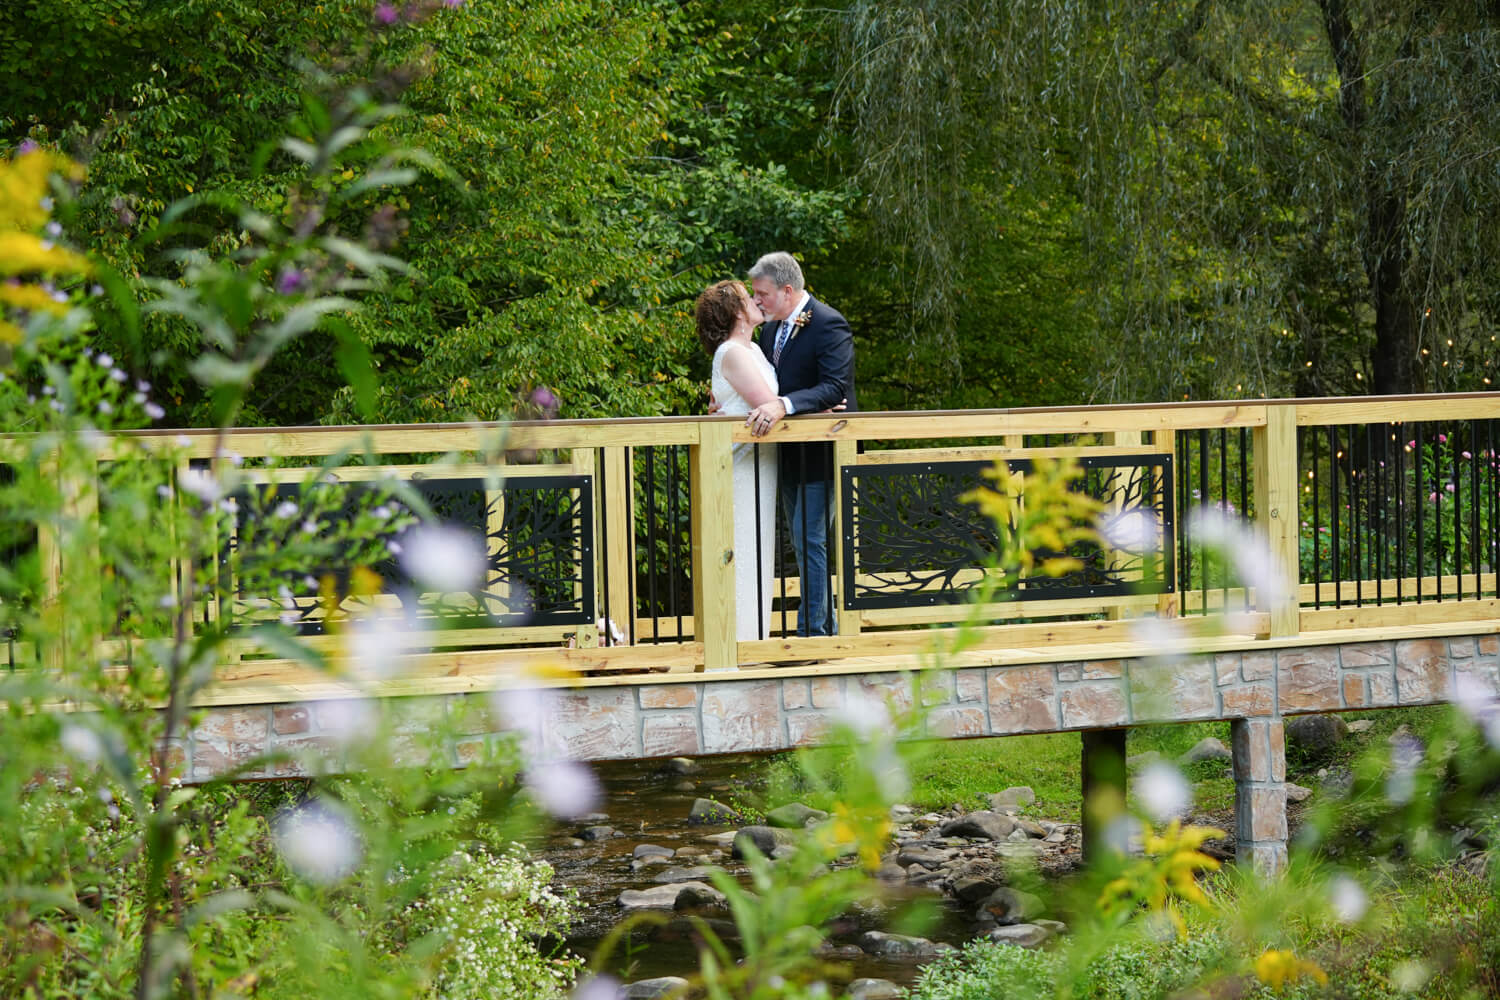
<point x="678" y="457"/>
<point x="760" y="613"/>
<point x="1317" y="510"/>
<point x="1203" y="502"/>
<point x="1335" y="517"/>
<point x="1474" y="508"/>
<point x="603" y="584"/>
<point x="1382" y="535"/>
<point x="1185" y="549"/>
<point x="1399" y="451"/>
<point x="1245" y="487"/>
<point x="1421" y="518"/>
<point x="1356" y="523"/>
<point x="1224" y="504"/>
<point x="1458" y="521"/>
<point x="651" y="604"/>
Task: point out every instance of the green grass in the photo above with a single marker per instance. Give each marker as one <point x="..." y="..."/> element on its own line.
<point x="964" y="772"/>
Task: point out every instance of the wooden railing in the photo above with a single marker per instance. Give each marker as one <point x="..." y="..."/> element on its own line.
<point x="646" y="507"/>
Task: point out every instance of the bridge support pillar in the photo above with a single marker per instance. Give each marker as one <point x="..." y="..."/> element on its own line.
<point x="1103" y="789"/>
<point x="1260" y="793"/>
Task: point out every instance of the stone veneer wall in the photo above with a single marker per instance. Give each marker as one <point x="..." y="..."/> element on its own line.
<point x="698" y="715"/>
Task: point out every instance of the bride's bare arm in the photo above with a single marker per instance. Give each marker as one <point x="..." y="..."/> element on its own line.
<point x="745" y="375"/>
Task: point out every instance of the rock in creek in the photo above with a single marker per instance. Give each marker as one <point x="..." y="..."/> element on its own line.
<point x="976" y="825"/>
<point x="973" y="888"/>
<point x="721" y="839"/>
<point x="1297" y="793"/>
<point x="765" y="838"/>
<point x="1021" y="935"/>
<point x="794" y="816"/>
<point x="1012" y="799"/>
<point x="664" y="897"/>
<point x="649" y="989"/>
<point x="670" y="875"/>
<point x="597" y="832"/>
<point x="651" y="851"/>
<point x="649" y="861"/>
<point x="900" y="946"/>
<point x="873" y="989"/>
<point x="709" y="811"/>
<point x="681" y="765"/>
<point x="1012" y="906"/>
<point x="924" y="855"/>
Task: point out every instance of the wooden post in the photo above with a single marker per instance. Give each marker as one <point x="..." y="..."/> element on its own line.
<point x="845" y="453"/>
<point x="617" y="554"/>
<point x="713" y="544"/>
<point x="1276" y="510"/>
<point x="1103" y="790"/>
<point x="1122" y="438"/>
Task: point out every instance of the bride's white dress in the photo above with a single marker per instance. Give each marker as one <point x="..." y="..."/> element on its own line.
<point x="752" y="575"/>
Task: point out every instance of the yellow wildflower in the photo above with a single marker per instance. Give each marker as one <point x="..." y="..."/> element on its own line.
<point x="1277" y="968"/>
<point x="31" y="297"/>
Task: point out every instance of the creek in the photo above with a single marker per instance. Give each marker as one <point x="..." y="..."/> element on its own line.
<point x="647" y="803"/>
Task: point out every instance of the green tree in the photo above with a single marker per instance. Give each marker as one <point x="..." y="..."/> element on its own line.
<point x="1274" y="196"/>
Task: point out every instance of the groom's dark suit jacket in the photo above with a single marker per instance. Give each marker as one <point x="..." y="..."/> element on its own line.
<point x="815" y="373"/>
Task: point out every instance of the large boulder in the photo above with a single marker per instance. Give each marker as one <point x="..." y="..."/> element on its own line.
<point x="709" y="811"/>
<point x="1315" y="734"/>
<point x="984" y="825"/>
<point x="661" y="897"/>
<point x="766" y="840"/>
<point x="1012" y="799"/>
<point x="899" y="946"/>
<point x="794" y="816"/>
<point x="873" y="989"/>
<point x="1207" y="748"/>
<point x="1012" y="906"/>
<point x="650" y="989"/>
<point x="1020" y="935"/>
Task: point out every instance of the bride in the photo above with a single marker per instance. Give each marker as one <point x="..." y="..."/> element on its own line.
<point x="742" y="380"/>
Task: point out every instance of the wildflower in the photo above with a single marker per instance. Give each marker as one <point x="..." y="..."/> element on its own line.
<point x="380" y="643"/>
<point x="285" y="511"/>
<point x="118" y="374"/>
<point x="599" y="988"/>
<point x="1163" y="792"/>
<point x="105" y="361"/>
<point x="545" y="400"/>
<point x="348" y="721"/>
<point x="318" y="841"/>
<point x="444" y="558"/>
<point x="1278" y="968"/>
<point x="1131" y="530"/>
<point x="1348" y="899"/>
<point x="154" y="411"/>
<point x="289" y="281"/>
<point x="565" y="789"/>
<point x="385" y="13"/>
<point x="82" y="742"/>
<point x="201" y="484"/>
<point x="864" y="715"/>
<point x="524" y="710"/>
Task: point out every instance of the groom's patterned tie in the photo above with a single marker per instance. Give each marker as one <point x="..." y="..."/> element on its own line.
<point x="781" y="332"/>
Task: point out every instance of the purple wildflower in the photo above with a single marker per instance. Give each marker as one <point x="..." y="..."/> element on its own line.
<point x="545" y="400"/>
<point x="385" y="13"/>
<point x="288" y="281"/>
<point x="27" y="146"/>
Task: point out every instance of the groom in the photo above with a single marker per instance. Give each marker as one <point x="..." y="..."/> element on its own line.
<point x="812" y="349"/>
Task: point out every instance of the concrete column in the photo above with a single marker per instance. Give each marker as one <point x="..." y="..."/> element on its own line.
<point x="1260" y="793"/>
<point x="1103" y="788"/>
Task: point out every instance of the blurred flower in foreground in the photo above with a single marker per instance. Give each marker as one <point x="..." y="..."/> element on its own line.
<point x="380" y="643"/>
<point x="82" y="742"/>
<point x="1348" y="899"/>
<point x="317" y="840"/>
<point x="1131" y="530"/>
<point x="443" y="558"/>
<point x="1278" y="969"/>
<point x="351" y="720"/>
<point x="865" y="715"/>
<point x="1244" y="549"/>
<point x="1406" y="755"/>
<point x="599" y="988"/>
<point x="1162" y="792"/>
<point x="566" y="789"/>
<point x="1479" y="703"/>
<point x="523" y="711"/>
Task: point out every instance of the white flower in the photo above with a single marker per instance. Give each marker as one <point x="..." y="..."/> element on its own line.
<point x="1131" y="530"/>
<point x="1163" y="792"/>
<point x="380" y="643"/>
<point x="524" y="710"/>
<point x="201" y="484"/>
<point x="82" y="742"/>
<point x="1475" y="699"/>
<point x="285" y="511"/>
<point x="346" y="722"/>
<point x="565" y="788"/>
<point x="309" y="527"/>
<point x="599" y="988"/>
<point x="318" y="841"/>
<point x="1244" y="548"/>
<point x="867" y="716"/>
<point x="154" y="412"/>
<point x="1348" y="899"/>
<point x="443" y="558"/>
<point x="105" y="361"/>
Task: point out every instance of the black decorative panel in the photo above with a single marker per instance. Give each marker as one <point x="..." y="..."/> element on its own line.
<point x="911" y="541"/>
<point x="538" y="534"/>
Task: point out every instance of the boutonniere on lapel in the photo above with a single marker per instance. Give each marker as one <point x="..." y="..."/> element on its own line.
<point x="798" y="322"/>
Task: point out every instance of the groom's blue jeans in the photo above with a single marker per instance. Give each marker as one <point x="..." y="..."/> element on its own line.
<point x="809" y="520"/>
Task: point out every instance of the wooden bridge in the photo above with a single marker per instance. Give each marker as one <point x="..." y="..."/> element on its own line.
<point x="1379" y="518"/>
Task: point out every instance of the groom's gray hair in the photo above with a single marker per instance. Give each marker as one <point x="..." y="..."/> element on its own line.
<point x="780" y="269"/>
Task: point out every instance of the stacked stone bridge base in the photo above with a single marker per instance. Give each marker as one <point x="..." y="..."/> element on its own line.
<point x="668" y="715"/>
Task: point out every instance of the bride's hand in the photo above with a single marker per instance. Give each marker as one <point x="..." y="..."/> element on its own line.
<point x="713" y="404"/>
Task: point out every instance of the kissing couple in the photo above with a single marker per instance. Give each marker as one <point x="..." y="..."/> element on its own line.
<point x="803" y="363"/>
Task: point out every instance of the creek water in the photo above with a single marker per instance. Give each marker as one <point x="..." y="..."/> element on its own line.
<point x="648" y="804"/>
